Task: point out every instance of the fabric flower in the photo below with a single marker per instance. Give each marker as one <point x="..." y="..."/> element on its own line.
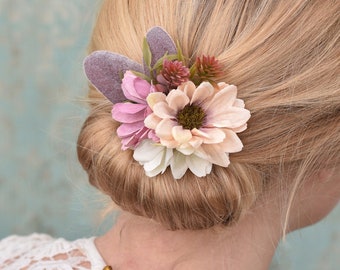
<point x="132" y="130"/>
<point x="200" y="121"/>
<point x="156" y="158"/>
<point x="173" y="74"/>
<point x="207" y="67"/>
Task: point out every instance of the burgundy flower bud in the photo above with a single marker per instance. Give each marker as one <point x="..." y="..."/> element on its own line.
<point x="207" y="67"/>
<point x="173" y="74"/>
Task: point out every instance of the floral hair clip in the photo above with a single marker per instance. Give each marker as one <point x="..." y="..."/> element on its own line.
<point x="171" y="114"/>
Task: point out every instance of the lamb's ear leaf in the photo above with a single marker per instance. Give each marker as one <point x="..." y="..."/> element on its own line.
<point x="104" y="70"/>
<point x="160" y="43"/>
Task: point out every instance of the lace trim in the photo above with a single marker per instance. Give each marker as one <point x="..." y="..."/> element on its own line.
<point x="43" y="252"/>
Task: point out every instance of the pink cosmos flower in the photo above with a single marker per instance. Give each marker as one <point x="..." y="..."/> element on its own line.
<point x="132" y="130"/>
<point x="200" y="121"/>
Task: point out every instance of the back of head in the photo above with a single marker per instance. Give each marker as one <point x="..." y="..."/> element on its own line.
<point x="284" y="58"/>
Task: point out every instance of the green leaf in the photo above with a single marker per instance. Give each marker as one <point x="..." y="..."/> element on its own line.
<point x="180" y="56"/>
<point x="193" y="69"/>
<point x="147" y="55"/>
<point x="159" y="63"/>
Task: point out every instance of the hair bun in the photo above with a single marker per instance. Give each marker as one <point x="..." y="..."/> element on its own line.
<point x="188" y="203"/>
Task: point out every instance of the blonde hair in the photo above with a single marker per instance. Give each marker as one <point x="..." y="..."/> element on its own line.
<point x="284" y="58"/>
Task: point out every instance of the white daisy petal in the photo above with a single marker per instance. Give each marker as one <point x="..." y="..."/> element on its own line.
<point x="198" y="166"/>
<point x="146" y="151"/>
<point x="201" y="153"/>
<point x="186" y="149"/>
<point x="178" y="165"/>
<point x="166" y="158"/>
<point x="154" y="157"/>
<point x="155" y="162"/>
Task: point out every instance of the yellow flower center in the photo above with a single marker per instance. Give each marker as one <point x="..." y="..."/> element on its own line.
<point x="190" y="117"/>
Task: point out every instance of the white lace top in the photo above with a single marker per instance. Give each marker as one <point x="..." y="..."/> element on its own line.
<point x="41" y="251"/>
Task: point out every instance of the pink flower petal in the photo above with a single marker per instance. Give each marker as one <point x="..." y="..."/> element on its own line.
<point x="135" y="139"/>
<point x="143" y="88"/>
<point x="196" y="142"/>
<point x="239" y="103"/>
<point x="135" y="88"/>
<point x="162" y="110"/>
<point x="202" y="92"/>
<point x="215" y="154"/>
<point x="152" y="135"/>
<point x="240" y="129"/>
<point x="223" y="99"/>
<point x="168" y="143"/>
<point x="188" y="88"/>
<point x="222" y="85"/>
<point x="151" y="121"/>
<point x="129" y="142"/>
<point x="177" y="100"/>
<point x="212" y="135"/>
<point x="232" y="142"/>
<point x="164" y="129"/>
<point x="155" y="98"/>
<point x="199" y="133"/>
<point x="181" y="135"/>
<point x="233" y="118"/>
<point x="128" y="129"/>
<point x="128" y="112"/>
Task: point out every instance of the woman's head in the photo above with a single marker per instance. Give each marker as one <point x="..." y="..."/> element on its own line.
<point x="283" y="57"/>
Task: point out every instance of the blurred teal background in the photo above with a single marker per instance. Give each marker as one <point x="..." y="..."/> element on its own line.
<point x="42" y="187"/>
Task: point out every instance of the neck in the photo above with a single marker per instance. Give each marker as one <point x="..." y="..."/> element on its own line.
<point x="139" y="243"/>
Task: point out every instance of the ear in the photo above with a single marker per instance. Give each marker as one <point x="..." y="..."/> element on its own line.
<point x="105" y="71"/>
<point x="160" y="43"/>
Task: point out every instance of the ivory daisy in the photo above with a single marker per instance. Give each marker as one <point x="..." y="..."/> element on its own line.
<point x="202" y="121"/>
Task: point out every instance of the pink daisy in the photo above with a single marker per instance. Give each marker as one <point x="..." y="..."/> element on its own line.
<point x="200" y="121"/>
